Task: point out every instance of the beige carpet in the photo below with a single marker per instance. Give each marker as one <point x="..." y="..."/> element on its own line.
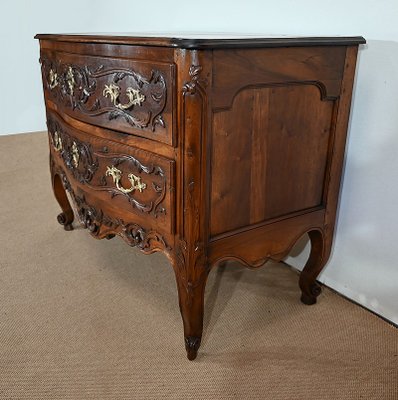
<point x="87" y="319"/>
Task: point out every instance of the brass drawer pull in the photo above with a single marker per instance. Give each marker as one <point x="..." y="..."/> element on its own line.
<point x="75" y="155"/>
<point x="52" y="79"/>
<point x="116" y="174"/>
<point x="134" y="95"/>
<point x="57" y="141"/>
<point x="70" y="80"/>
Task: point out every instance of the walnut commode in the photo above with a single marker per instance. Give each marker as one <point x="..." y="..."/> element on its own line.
<point x="204" y="149"/>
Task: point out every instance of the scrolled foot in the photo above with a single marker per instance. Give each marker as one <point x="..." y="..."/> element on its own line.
<point x="192" y="344"/>
<point x="310" y="298"/>
<point x="65" y="221"/>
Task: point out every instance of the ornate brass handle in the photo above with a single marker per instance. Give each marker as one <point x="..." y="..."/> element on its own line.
<point x="75" y="155"/>
<point x="53" y="79"/>
<point x="57" y="141"/>
<point x="70" y="79"/>
<point x="134" y="95"/>
<point x="116" y="174"/>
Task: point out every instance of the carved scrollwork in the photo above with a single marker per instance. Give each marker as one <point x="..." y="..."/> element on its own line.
<point x="144" y="240"/>
<point x="70" y="84"/>
<point x="92" y="219"/>
<point x="76" y="155"/>
<point x="102" y="226"/>
<point x="98" y="91"/>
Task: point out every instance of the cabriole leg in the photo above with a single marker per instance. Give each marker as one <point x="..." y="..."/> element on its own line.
<point x="66" y="217"/>
<point x="317" y="260"/>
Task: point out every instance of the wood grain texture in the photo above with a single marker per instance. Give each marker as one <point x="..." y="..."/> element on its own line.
<point x="259" y="145"/>
<point x="235" y="70"/>
<point x="248" y="160"/>
<point x="269" y="136"/>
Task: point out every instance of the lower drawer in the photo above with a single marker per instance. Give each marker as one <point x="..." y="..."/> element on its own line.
<point x="134" y="182"/>
<point x="103" y="221"/>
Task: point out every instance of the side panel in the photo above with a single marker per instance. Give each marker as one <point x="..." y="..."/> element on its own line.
<point x="271" y="138"/>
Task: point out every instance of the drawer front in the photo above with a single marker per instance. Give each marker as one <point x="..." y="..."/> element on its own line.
<point x="136" y="182"/>
<point x="134" y="97"/>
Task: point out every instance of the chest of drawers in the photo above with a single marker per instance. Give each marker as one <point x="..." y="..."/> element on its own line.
<point x="206" y="149"/>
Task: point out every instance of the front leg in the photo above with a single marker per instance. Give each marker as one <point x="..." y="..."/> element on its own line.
<point x="191" y="276"/>
<point x="66" y="217"/>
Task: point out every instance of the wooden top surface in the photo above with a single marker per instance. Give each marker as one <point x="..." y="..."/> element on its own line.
<point x="204" y="41"/>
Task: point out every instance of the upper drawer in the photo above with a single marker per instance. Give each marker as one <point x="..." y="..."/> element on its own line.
<point x="134" y="97"/>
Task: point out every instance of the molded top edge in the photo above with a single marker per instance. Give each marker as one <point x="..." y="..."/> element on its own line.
<point x="204" y="41"/>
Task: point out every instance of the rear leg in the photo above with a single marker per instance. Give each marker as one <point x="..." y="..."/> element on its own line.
<point x="310" y="289"/>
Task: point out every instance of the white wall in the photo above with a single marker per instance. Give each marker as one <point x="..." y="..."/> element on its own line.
<point x="363" y="265"/>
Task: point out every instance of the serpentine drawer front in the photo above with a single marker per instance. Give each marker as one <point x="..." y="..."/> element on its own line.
<point x="124" y="177"/>
<point x="208" y="150"/>
<point x="126" y="95"/>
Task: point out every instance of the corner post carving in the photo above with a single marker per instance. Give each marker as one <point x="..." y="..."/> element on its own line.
<point x="190" y="258"/>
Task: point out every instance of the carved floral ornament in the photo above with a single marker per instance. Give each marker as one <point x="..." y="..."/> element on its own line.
<point x="194" y="73"/>
<point x="100" y="91"/>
